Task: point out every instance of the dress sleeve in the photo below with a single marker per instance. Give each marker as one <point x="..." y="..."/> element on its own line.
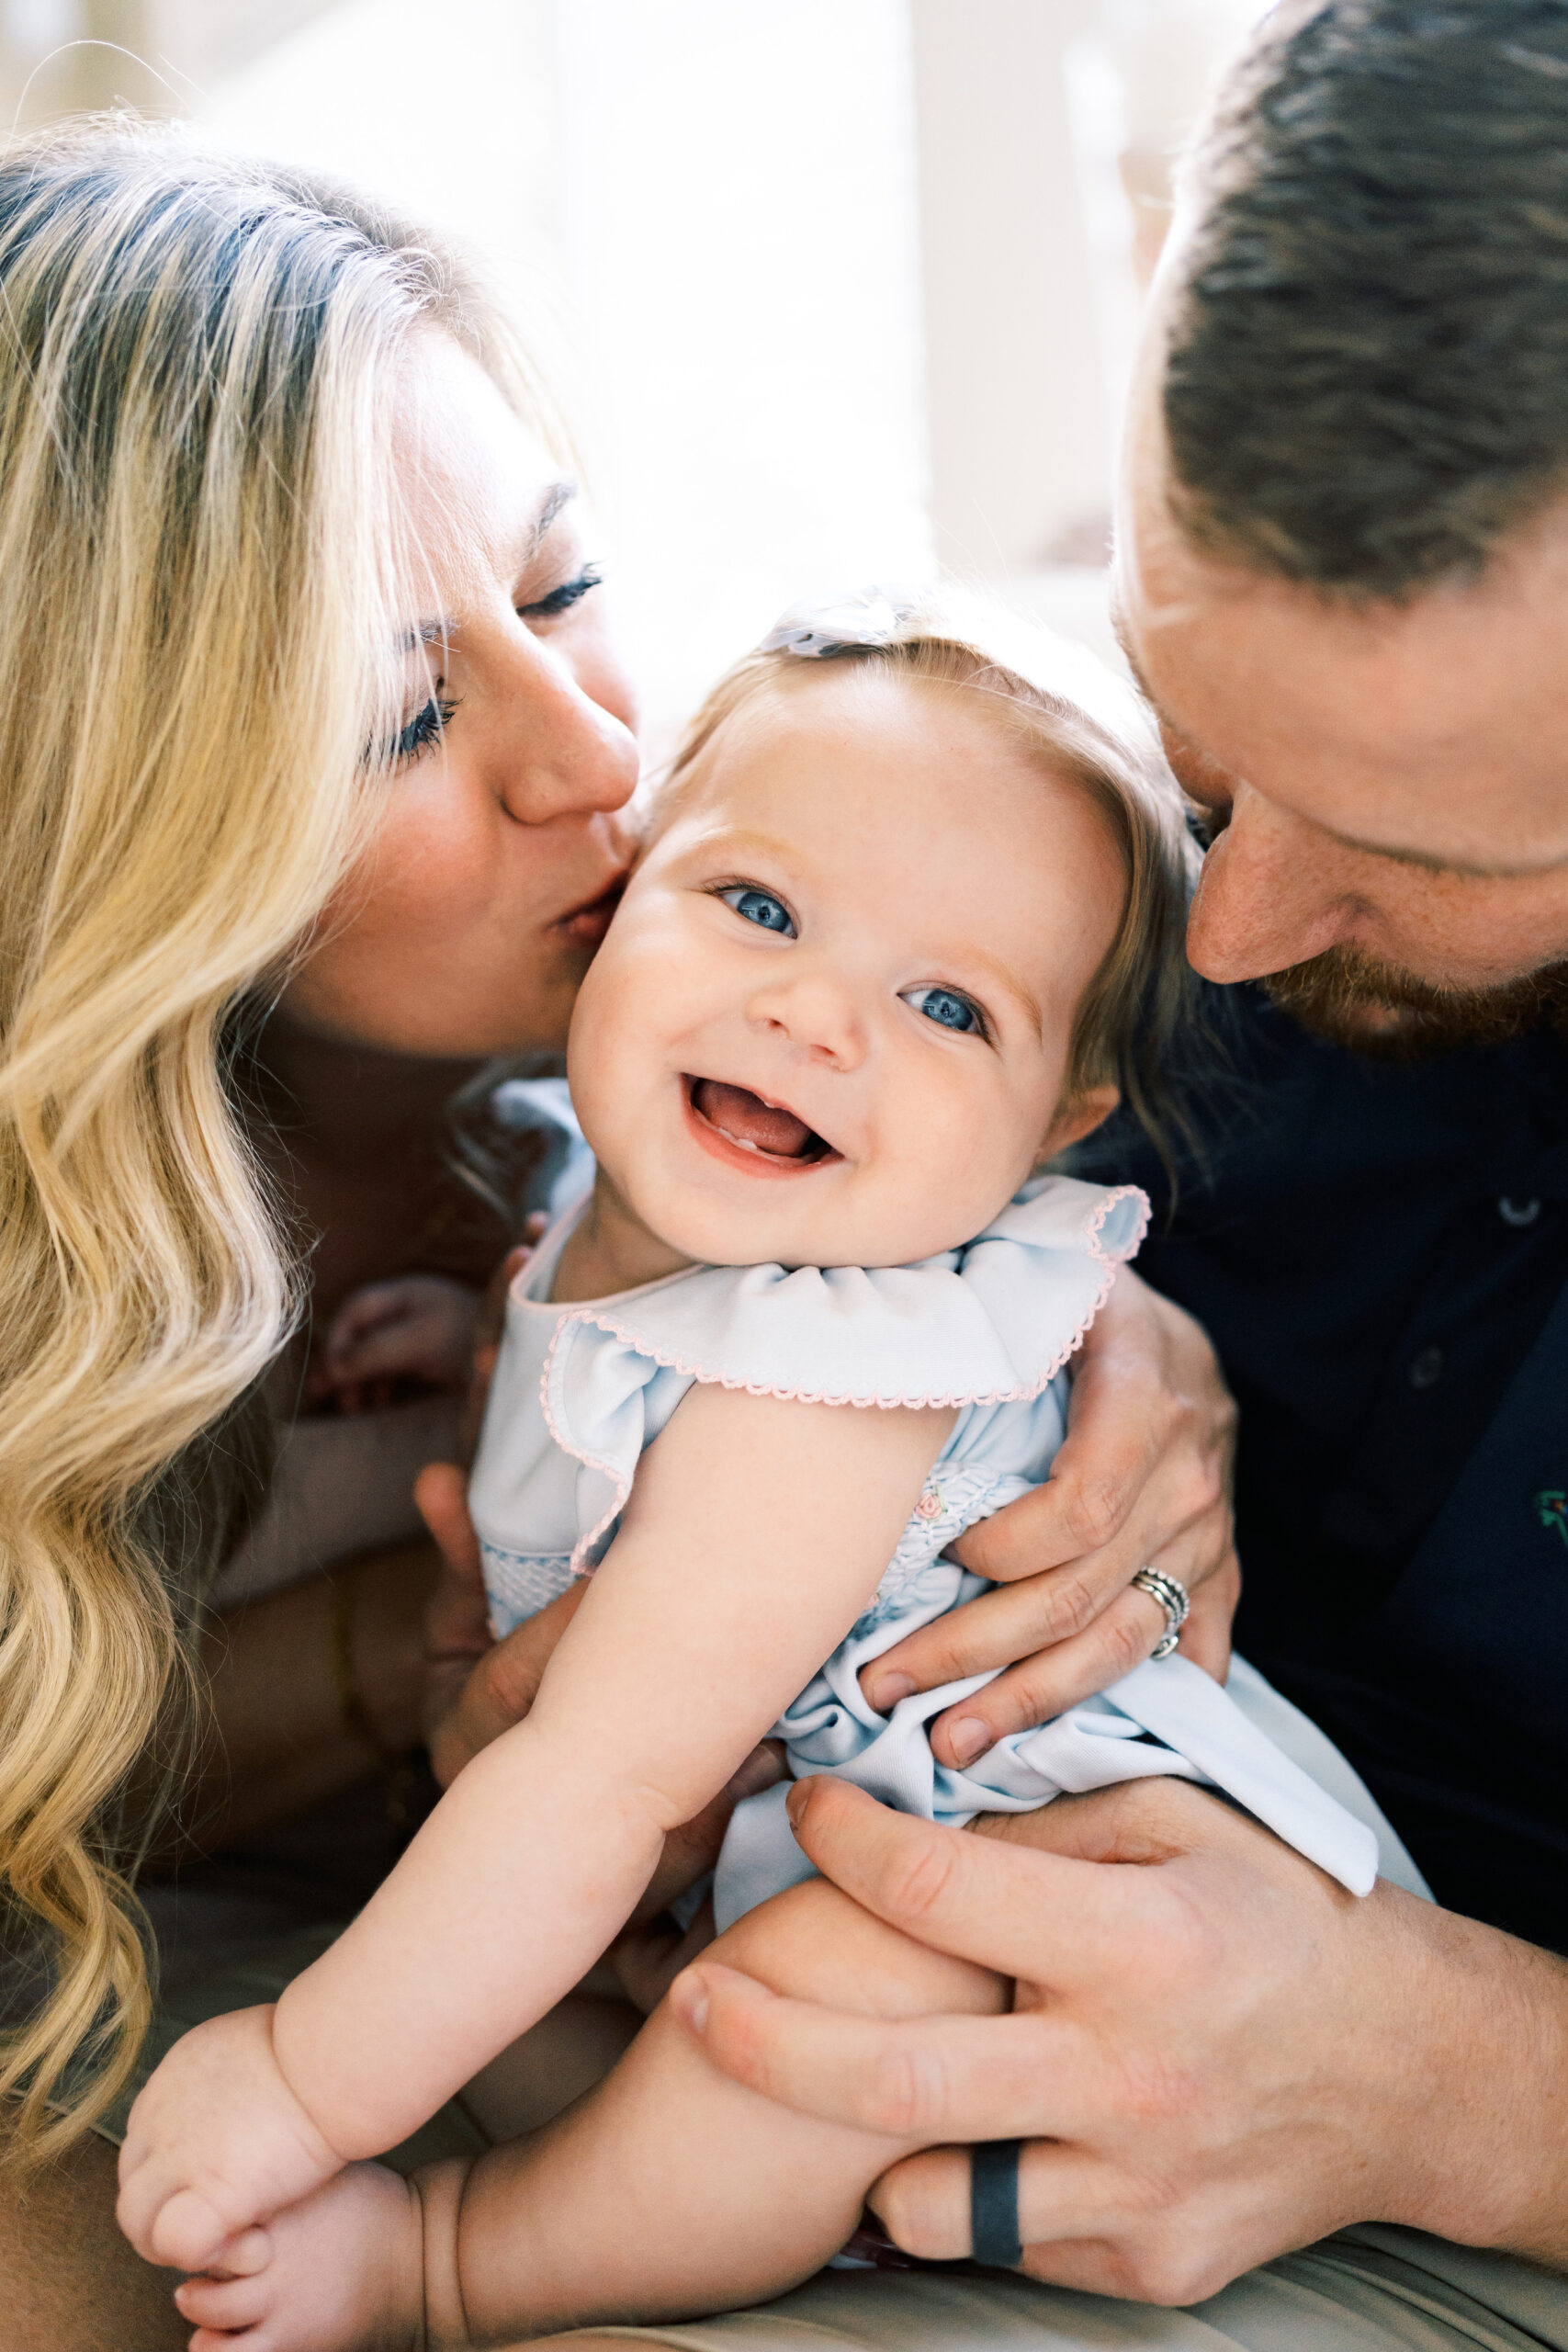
<point x="987" y="1325"/>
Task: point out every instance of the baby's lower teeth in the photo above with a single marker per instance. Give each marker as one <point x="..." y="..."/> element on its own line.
<point x="744" y="1143"/>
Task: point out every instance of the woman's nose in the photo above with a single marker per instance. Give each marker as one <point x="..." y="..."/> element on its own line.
<point x="562" y="742"/>
<point x="1272" y="893"/>
<point x="816" y="1014"/>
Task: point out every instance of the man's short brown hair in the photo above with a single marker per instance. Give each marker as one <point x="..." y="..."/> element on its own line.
<point x="1368" y="370"/>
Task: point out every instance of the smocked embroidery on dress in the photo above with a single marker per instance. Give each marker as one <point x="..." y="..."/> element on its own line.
<point x="582" y="1389"/>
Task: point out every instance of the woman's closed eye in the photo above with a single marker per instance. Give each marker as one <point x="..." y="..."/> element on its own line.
<point x="949" y="1008"/>
<point x="759" y="907"/>
<point x="561" y="600"/>
<point x="416" y="735"/>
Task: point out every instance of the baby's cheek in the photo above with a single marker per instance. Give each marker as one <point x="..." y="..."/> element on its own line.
<point x="979" y="1130"/>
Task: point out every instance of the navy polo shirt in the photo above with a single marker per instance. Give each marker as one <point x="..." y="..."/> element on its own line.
<point x="1380" y="1256"/>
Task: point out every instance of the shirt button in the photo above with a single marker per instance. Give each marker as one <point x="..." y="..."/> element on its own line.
<point x="1519" y="1213"/>
<point x="1427" y="1368"/>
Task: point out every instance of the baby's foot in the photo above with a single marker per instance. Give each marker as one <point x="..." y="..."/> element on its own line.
<point x="338" y="2272"/>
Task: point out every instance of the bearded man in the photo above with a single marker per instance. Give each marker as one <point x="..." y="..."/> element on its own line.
<point x="1344" y="585"/>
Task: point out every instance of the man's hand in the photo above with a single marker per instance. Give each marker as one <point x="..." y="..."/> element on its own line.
<point x="1143" y="1481"/>
<point x="1216" y="2054"/>
<point x="216" y="2142"/>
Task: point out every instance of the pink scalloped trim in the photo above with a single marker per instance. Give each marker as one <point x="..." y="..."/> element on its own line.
<point x="1094" y="1226"/>
<point x="579" y="1563"/>
<point x="708" y="1377"/>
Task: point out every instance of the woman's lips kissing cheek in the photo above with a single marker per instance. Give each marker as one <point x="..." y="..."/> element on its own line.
<point x="585" y="925"/>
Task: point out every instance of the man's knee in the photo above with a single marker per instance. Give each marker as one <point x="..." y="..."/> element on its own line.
<point x="813" y="1943"/>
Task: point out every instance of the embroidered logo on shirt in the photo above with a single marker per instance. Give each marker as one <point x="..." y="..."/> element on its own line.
<point x="1551" y="1509"/>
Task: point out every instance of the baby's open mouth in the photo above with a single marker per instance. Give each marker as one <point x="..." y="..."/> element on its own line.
<point x="745" y="1120"/>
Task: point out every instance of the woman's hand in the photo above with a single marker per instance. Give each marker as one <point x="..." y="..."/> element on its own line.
<point x="1143" y="1480"/>
<point x="1216" y="2054"/>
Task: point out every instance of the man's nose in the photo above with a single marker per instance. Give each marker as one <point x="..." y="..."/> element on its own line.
<point x="554" y="749"/>
<point x="1272" y="893"/>
<point x="817" y="1013"/>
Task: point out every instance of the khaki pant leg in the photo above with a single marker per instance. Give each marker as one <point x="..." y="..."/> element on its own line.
<point x="1368" y="2289"/>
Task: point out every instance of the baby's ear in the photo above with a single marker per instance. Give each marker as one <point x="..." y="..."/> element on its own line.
<point x="1077" y="1118"/>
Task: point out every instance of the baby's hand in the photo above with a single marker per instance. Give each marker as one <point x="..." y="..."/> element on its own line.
<point x="419" y="1327"/>
<point x="216" y="2141"/>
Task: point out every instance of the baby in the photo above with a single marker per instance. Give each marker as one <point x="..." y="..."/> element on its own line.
<point x="909" y="894"/>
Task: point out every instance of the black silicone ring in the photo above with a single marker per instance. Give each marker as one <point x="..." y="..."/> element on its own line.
<point x="993" y="2203"/>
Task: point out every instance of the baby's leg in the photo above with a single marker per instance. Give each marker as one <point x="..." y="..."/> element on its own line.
<point x="572" y="2048"/>
<point x="667" y="2191"/>
<point x="670" y="2189"/>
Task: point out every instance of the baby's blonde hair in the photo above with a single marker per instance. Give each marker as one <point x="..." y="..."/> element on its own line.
<point x="198" y="518"/>
<point x="1057" y="700"/>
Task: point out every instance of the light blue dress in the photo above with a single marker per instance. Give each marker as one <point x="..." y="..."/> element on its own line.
<point x="581" y="1389"/>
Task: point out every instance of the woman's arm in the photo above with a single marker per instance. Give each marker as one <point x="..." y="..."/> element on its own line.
<point x="273" y="1737"/>
<point x="755" y="1534"/>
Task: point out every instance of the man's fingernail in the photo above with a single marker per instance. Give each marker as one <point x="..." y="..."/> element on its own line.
<point x="689" y="1999"/>
<point x="886" y="1692"/>
<point x="794" y="1804"/>
<point x="967" y="1738"/>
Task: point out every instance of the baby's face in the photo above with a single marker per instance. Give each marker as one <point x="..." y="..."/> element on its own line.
<point x="830" y="1025"/>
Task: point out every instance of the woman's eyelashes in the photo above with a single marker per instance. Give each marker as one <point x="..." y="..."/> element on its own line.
<point x="949" y="1009"/>
<point x="561" y="600"/>
<point x="759" y="907"/>
<point x="416" y="735"/>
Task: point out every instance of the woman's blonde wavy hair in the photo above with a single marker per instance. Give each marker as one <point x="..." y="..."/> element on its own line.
<point x="197" y="634"/>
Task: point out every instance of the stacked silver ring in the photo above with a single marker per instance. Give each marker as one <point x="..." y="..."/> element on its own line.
<point x="1173" y="1598"/>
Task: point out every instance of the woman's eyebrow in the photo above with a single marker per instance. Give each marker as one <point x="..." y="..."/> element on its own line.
<point x="437" y="631"/>
<point x="556" y="495"/>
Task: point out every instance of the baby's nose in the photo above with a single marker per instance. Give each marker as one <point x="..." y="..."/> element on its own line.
<point x="817" y="1014"/>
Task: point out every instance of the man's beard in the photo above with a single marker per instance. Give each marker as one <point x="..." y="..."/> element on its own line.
<point x="1373" y="1008"/>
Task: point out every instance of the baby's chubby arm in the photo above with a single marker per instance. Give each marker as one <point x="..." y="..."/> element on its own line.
<point x="755" y="1534"/>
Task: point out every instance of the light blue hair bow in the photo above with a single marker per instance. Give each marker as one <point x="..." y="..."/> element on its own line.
<point x="857" y="617"/>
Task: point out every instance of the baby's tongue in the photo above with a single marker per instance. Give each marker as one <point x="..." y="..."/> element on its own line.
<point x="746" y="1118"/>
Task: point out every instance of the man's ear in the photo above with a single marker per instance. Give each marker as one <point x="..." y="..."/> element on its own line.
<point x="1078" y="1117"/>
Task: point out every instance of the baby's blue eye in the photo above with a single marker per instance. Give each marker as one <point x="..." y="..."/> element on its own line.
<point x="946" y="1008"/>
<point x="762" y="908"/>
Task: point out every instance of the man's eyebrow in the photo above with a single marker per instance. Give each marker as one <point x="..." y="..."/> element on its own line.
<point x="1421" y="860"/>
<point x="1426" y="863"/>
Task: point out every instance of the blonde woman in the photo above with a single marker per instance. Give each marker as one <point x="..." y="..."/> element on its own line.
<point x="312" y="773"/>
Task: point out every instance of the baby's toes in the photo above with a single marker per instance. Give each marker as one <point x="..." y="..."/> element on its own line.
<point x="226" y="2303"/>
